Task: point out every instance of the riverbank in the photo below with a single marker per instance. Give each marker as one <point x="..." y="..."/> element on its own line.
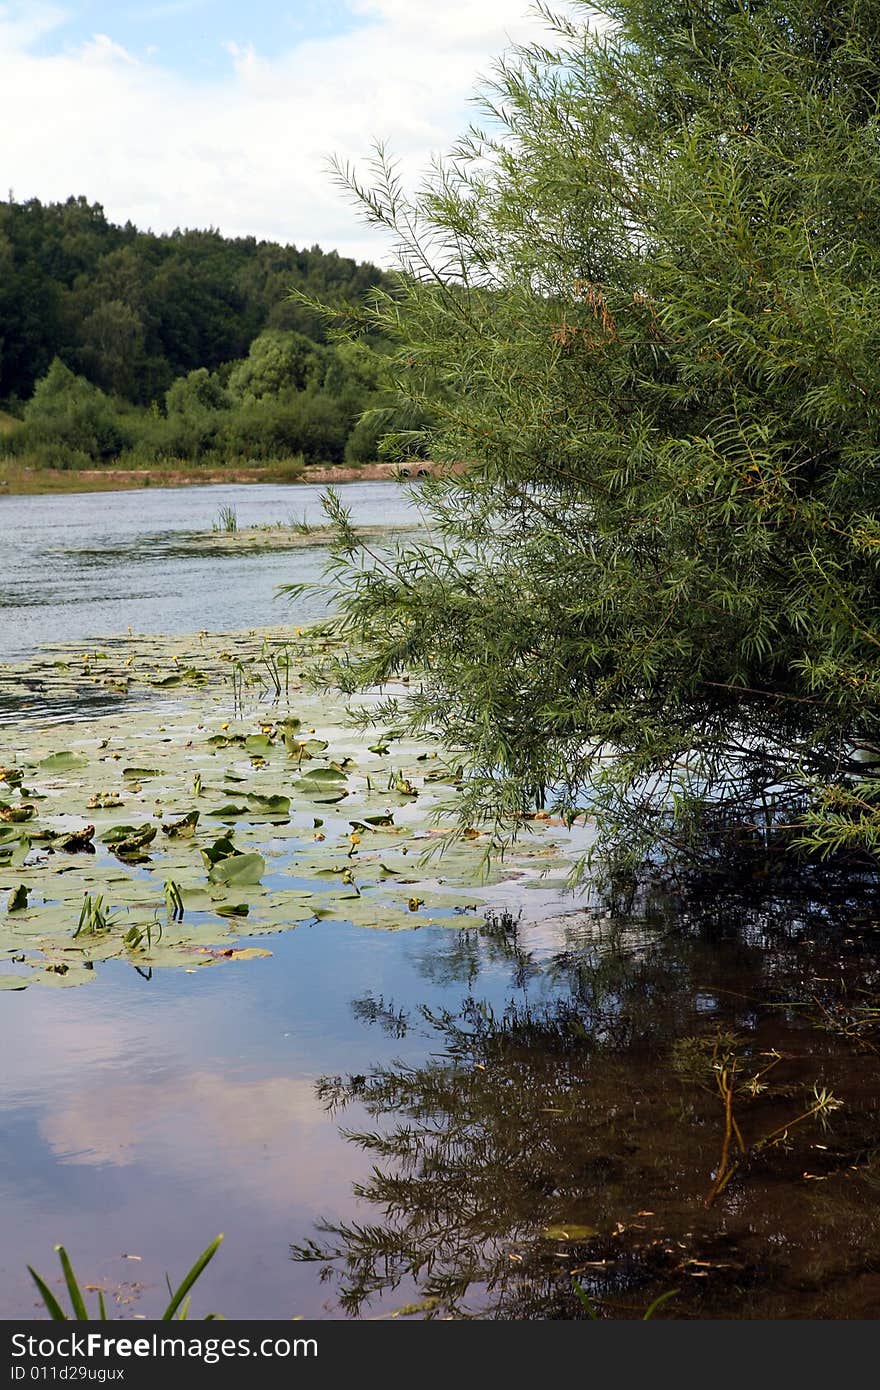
<point x="18" y="480"/>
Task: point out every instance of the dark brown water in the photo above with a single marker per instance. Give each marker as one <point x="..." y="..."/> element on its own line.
<point x="580" y="1139"/>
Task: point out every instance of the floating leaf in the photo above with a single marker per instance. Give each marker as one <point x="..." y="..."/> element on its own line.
<point x="63" y="762"/>
<point x="258" y="743"/>
<point x="571" y="1232"/>
<point x="242" y="953"/>
<point x="182" y="829"/>
<point x="20" y="853"/>
<point x="78" y="841"/>
<point x="220" y="849"/>
<point x="126" y="832"/>
<point x="18" y="898"/>
<point x="275" y="805"/>
<point x="239" y="870"/>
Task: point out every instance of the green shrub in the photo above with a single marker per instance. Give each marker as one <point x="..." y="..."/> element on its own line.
<point x="67" y="415"/>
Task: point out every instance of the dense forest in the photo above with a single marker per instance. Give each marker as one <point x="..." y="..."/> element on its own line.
<point x="123" y="345"/>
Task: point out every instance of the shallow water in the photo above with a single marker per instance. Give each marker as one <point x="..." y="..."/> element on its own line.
<point x="145" y="1116"/>
<point x="478" y="1117"/>
<point x="93" y="564"/>
<point x="465" y="1120"/>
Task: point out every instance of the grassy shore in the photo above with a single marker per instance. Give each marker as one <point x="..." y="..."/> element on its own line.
<point x="18" y="477"/>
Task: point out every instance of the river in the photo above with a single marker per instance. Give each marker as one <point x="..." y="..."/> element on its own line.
<point x="89" y="565"/>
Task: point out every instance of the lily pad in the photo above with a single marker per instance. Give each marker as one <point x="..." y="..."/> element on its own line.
<point x="239" y="870"/>
<point x="571" y="1232"/>
<point x="62" y="762"/>
<point x="18" y="898"/>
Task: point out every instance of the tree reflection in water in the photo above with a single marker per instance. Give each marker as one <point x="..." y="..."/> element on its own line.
<point x="578" y="1132"/>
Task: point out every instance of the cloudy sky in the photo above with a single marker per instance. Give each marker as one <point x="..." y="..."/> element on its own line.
<point x="220" y="113"/>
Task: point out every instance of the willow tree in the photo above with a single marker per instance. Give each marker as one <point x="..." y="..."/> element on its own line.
<point x="642" y="308"/>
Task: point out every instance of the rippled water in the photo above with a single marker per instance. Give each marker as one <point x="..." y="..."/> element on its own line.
<point x="93" y="564"/>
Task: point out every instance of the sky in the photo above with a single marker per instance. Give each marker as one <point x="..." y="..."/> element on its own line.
<point x="197" y="113"/>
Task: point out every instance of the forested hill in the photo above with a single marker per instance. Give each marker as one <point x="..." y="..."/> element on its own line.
<point x="131" y="311"/>
<point x="120" y="346"/>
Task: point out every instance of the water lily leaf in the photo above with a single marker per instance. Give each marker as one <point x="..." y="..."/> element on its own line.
<point x="104" y="801"/>
<point x="16" y="815"/>
<point x="18" y="898"/>
<point x="258" y="743"/>
<point x="78" y="841"/>
<point x="131" y="849"/>
<point x="239" y="870"/>
<point x="228" y="810"/>
<point x="139" y="772"/>
<point x="182" y="829"/>
<point x="67" y="978"/>
<point x="324" y="784"/>
<point x="275" y="805"/>
<point x="232" y="909"/>
<point x="569" y="1232"/>
<point x="62" y="762"/>
<point x="220" y="849"/>
<point x="242" y="953"/>
<point x="20" y="853"/>
<point x="13" y="982"/>
<point x="120" y="833"/>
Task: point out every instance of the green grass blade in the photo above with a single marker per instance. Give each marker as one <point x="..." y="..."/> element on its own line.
<point x="76" y="1299"/>
<point x="56" y="1312"/>
<point x="585" y="1300"/>
<point x="178" y="1297"/>
<point x="658" y="1303"/>
<point x="102" y="1308"/>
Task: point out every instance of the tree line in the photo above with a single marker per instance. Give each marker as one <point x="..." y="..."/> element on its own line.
<point x="120" y="344"/>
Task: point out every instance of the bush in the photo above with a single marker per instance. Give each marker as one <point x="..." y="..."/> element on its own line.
<point x="278" y="362"/>
<point x="652" y="330"/>
<point x="68" y="415"/>
<point x="312" y="425"/>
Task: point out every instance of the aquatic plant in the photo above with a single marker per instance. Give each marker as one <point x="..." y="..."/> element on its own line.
<point x="590" y="1307"/>
<point x="227" y="521"/>
<point x="177" y="1307"/>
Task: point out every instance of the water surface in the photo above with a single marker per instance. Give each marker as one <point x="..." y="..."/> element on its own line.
<point x="93" y="564"/>
<point x="463" y="1120"/>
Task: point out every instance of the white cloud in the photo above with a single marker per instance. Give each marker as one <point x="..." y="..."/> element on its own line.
<point x="246" y="150"/>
